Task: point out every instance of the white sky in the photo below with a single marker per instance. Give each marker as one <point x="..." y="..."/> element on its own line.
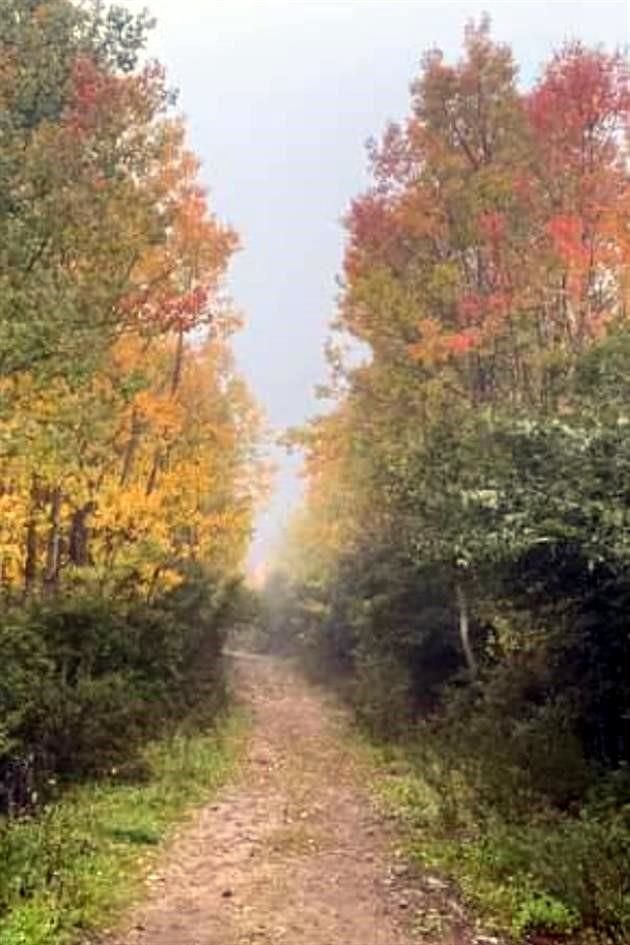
<point x="280" y="96"/>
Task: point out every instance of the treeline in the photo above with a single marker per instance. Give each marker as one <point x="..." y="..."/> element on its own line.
<point x="128" y="470"/>
<point x="462" y="560"/>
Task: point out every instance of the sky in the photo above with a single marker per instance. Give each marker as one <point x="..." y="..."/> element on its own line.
<point x="280" y="97"/>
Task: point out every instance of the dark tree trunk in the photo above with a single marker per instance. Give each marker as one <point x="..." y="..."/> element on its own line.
<point x="78" y="546"/>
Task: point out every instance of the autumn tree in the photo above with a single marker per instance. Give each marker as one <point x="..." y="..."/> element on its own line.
<point x="129" y="465"/>
<point x="81" y="126"/>
<point x="468" y="482"/>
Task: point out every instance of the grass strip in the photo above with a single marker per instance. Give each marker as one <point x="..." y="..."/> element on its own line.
<point x="78" y="864"/>
<point x="563" y="878"/>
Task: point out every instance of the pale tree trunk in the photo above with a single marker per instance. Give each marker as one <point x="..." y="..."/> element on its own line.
<point x="464" y="629"/>
<point x="53" y="558"/>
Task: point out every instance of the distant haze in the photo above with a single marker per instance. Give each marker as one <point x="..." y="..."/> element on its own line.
<point x="280" y="98"/>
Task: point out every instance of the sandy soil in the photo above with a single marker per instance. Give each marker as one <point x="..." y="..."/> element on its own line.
<point x="292" y="852"/>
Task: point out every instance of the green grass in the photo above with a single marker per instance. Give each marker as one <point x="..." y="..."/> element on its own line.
<point x="563" y="876"/>
<point x="80" y="863"/>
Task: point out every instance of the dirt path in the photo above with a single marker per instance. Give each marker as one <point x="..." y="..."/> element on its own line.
<point x="292" y="853"/>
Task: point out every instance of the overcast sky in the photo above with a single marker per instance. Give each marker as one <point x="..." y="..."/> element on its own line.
<point x="280" y="96"/>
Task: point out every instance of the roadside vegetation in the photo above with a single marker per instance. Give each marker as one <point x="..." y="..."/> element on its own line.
<point x="75" y="867"/>
<point x="461" y="565"/>
<point x="129" y="474"/>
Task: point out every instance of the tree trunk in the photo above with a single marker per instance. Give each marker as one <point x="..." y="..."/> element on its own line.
<point x="178" y="363"/>
<point x="159" y="455"/>
<point x="130" y="451"/>
<point x="5" y="578"/>
<point x="153" y="475"/>
<point x="464" y="629"/>
<point x="30" y="551"/>
<point x="78" y="546"/>
<point x="53" y="558"/>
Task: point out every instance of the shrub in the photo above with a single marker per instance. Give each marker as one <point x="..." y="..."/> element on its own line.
<point x="86" y="680"/>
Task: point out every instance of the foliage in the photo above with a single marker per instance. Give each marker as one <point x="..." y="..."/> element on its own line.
<point x="547" y="873"/>
<point x="461" y="559"/>
<point x="129" y="472"/>
<point x="74" y="866"/>
<point x="87" y="681"/>
<point x="126" y="438"/>
<point x="128" y="463"/>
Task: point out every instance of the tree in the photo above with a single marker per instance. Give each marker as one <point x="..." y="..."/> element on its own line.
<point x="473" y="456"/>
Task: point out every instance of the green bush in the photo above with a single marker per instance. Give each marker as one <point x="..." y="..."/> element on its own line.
<point x="87" y="680"/>
<point x="380" y="693"/>
<point x="72" y="867"/>
<point x="515" y="755"/>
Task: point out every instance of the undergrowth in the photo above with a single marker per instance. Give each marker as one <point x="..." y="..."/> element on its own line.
<point x="73" y="867"/>
<point x="562" y="875"/>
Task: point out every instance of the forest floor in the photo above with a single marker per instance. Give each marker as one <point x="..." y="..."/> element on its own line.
<point x="293" y="851"/>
